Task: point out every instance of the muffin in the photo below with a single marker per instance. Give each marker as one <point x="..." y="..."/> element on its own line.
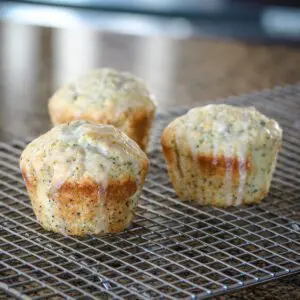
<point x="222" y="155"/>
<point x="107" y="96"/>
<point x="84" y="178"/>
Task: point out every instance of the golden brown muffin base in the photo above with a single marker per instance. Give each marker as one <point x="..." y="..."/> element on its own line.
<point x="200" y="178"/>
<point x="78" y="202"/>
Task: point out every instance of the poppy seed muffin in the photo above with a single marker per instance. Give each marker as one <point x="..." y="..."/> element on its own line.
<point x="222" y="155"/>
<point x="84" y="178"/>
<point x="106" y="96"/>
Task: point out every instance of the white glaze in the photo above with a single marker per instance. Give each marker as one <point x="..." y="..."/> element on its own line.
<point x="80" y="150"/>
<point x="101" y="89"/>
<point x="235" y="133"/>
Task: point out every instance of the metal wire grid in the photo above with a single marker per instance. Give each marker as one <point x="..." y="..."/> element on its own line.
<point x="173" y="249"/>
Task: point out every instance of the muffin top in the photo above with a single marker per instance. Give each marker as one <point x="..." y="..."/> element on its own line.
<point x="81" y="150"/>
<point x="102" y="89"/>
<point x="225" y="128"/>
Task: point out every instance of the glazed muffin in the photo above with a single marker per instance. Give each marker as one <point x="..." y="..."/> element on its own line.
<point x="222" y="155"/>
<point x="84" y="178"/>
<point x="107" y="96"/>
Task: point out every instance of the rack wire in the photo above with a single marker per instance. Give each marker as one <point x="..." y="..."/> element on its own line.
<point x="173" y="249"/>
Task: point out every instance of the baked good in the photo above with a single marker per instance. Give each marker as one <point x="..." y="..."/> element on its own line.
<point x="221" y="155"/>
<point x="107" y="96"/>
<point x="84" y="178"/>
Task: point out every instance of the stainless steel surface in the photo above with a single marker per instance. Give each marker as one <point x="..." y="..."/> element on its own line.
<point x="173" y="249"/>
<point x="217" y="19"/>
<point x="68" y="17"/>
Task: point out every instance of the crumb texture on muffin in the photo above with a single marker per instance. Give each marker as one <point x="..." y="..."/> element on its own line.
<point x="84" y="178"/>
<point x="221" y="154"/>
<point x="109" y="97"/>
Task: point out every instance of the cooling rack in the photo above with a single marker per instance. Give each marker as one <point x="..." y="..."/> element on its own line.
<point x="173" y="249"/>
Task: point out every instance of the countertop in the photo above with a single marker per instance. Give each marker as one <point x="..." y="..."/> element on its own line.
<point x="35" y="61"/>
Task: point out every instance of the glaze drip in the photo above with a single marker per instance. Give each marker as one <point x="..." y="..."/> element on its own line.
<point x="239" y="145"/>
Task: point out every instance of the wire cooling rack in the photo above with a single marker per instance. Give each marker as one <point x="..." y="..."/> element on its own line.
<point x="173" y="249"/>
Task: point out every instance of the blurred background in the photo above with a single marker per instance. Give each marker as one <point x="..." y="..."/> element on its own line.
<point x="259" y="20"/>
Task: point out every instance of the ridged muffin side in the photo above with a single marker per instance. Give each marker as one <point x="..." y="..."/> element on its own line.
<point x="106" y="96"/>
<point x="84" y="178"/>
<point x="222" y="155"/>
